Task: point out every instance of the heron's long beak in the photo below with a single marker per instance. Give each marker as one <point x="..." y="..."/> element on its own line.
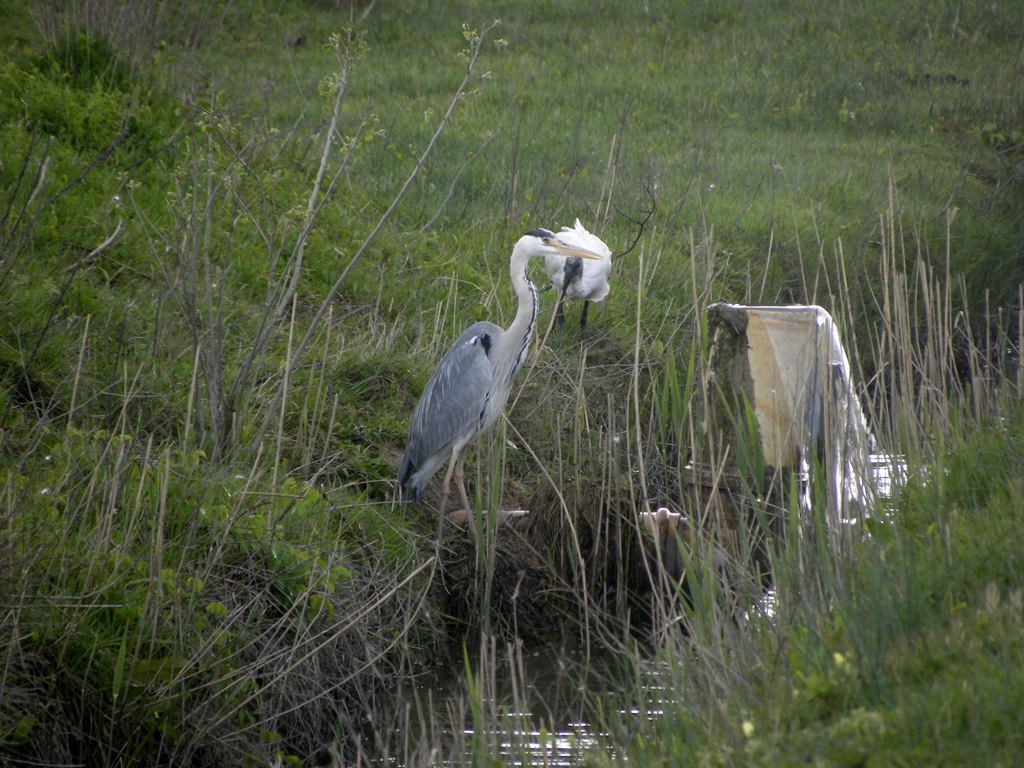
<point x="572" y="250"/>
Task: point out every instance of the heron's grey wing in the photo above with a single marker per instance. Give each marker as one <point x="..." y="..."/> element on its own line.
<point x="452" y="406"/>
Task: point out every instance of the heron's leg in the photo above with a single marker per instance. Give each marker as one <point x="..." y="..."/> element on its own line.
<point x="445" y="487"/>
<point x="583" y="317"/>
<point x="460" y="481"/>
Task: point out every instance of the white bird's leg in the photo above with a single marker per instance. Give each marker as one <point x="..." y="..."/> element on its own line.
<point x="583" y="317"/>
<point x="560" y="311"/>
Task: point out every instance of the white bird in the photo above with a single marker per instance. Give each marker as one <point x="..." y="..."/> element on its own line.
<point x="467" y="392"/>
<point x="575" y="278"/>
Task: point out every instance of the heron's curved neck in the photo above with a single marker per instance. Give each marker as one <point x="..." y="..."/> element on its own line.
<point x="519" y="333"/>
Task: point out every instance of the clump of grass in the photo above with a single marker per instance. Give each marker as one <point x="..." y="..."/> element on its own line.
<point x="161" y="612"/>
<point x="113" y="40"/>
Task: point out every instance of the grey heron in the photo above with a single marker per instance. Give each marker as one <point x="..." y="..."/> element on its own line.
<point x="574" y="278"/>
<point x="467" y="392"/>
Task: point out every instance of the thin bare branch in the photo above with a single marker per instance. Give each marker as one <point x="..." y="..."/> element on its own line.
<point x="99" y="250"/>
<point x="455" y="180"/>
<point x="640" y="224"/>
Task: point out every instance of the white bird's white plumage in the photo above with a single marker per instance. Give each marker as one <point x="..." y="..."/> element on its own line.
<point x="591" y="282"/>
<point x="576" y="278"/>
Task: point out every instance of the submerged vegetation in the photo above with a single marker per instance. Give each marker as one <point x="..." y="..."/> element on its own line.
<point x="235" y="237"/>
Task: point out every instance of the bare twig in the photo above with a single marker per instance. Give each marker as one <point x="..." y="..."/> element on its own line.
<point x="96" y="162"/>
<point x="288" y="282"/>
<point x="366" y="12"/>
<point x="40" y="180"/>
<point x="640" y="224"/>
<point x="315" y="202"/>
<point x="455" y="180"/>
<point x="99" y="250"/>
<point x="17" y="238"/>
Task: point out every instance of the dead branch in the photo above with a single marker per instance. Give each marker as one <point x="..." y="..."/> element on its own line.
<point x="98" y="251"/>
<point x="640" y="224"/>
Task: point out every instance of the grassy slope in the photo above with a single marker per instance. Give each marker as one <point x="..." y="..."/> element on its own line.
<point x="185" y="568"/>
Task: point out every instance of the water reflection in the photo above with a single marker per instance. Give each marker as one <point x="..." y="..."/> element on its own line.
<point x="530" y="748"/>
<point x="513" y="706"/>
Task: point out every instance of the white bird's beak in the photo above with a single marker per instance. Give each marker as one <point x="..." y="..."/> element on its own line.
<point x="571" y="250"/>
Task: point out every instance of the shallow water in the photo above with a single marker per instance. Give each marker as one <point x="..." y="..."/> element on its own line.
<point x="534" y="707"/>
<point x="526" y="708"/>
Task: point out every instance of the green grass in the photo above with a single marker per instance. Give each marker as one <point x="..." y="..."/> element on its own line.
<point x="208" y="360"/>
